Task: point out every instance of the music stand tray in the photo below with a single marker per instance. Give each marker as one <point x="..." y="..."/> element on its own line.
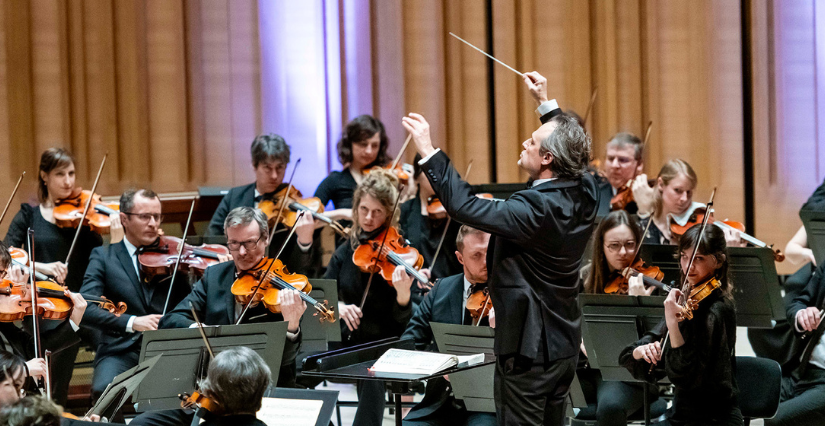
<point x="122" y="387"/>
<point x="474" y="387"/>
<point x="184" y="357"/>
<point x="353" y="364"/>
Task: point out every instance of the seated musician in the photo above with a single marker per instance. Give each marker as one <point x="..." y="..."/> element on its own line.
<point x="446" y="303"/>
<point x="270" y="157"/>
<point x="623" y="165"/>
<point x="698" y="356"/>
<point x="387" y="307"/>
<point x="236" y="381"/>
<point x="615" y="243"/>
<point x="115" y="272"/>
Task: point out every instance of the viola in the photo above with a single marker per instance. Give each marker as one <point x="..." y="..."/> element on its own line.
<point x="396" y="252"/>
<point x="200" y="401"/>
<point x="697" y="213"/>
<point x="651" y="276"/>
<point x="68" y="211"/>
<point x="161" y="258"/>
<point x="436" y="210"/>
<point x="277" y="278"/>
<point x="288" y="217"/>
<point x="52" y="303"/>
<point x="479" y="304"/>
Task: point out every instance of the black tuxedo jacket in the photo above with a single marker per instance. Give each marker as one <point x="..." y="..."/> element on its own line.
<point x="215" y="305"/>
<point x="444" y="304"/>
<point x="294" y="258"/>
<point x="22" y="341"/>
<point x="538" y="238"/>
<point x="111" y="273"/>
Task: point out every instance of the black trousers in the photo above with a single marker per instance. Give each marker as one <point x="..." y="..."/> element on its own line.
<point x="803" y="401"/>
<point x="532" y="393"/>
<point x="614" y="401"/>
<point x="108" y="367"/>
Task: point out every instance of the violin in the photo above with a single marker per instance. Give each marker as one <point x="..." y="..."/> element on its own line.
<point x="335" y="226"/>
<point x="436" y="210"/>
<point x="200" y="401"/>
<point x="479" y="304"/>
<point x="278" y="278"/>
<point x="697" y="294"/>
<point x="624" y="196"/>
<point x="68" y="211"/>
<point x="697" y="213"/>
<point x="52" y="303"/>
<point x="161" y="259"/>
<point x="396" y="252"/>
<point x="651" y="276"/>
<point x="288" y="217"/>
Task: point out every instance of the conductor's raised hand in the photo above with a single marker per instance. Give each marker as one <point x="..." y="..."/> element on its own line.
<point x="537" y="85"/>
<point x="418" y="127"/>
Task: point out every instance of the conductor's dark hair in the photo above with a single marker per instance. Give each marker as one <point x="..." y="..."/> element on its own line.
<point x="269" y="147"/>
<point x="237" y="379"/>
<point x="570" y="147"/>
<point x="52" y="158"/>
<point x="358" y="130"/>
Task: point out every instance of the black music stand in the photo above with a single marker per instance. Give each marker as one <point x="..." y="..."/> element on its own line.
<point x="353" y="363"/>
<point x="474" y="387"/>
<point x="121" y="388"/>
<point x="327" y="396"/>
<point x="814" y="222"/>
<point x="185" y="358"/>
<point x="756" y="287"/>
<point x="609" y="324"/>
<point x="316" y="334"/>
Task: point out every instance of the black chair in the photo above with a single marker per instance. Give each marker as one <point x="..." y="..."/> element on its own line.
<point x="759" y="381"/>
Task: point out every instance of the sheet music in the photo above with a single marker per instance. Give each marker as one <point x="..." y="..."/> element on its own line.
<point x="290" y="412"/>
<point x="412" y="362"/>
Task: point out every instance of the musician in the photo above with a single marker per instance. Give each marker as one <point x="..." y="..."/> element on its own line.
<point x="115" y="272"/>
<point x="236" y="380"/>
<point x="270" y="157"/>
<point x="446" y="303"/>
<point x="615" y="244"/>
<point x="623" y="166"/>
<point x="56" y="181"/>
<point x="424" y="232"/>
<point x="698" y="357"/>
<point x="387" y="307"/>
<point x="538" y="238"/>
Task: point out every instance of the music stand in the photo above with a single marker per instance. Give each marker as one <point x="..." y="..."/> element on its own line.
<point x="474" y="387"/>
<point x="327" y="396"/>
<point x="185" y="356"/>
<point x="814" y="222"/>
<point x="121" y="388"/>
<point x="353" y="363"/>
<point x="315" y="334"/>
<point x="756" y="287"/>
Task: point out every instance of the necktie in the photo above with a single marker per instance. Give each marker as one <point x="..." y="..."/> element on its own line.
<point x="267" y="196"/>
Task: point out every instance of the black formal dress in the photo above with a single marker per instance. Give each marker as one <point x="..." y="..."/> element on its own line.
<point x="444" y="304"/>
<point x="215" y="304"/>
<point x="382" y="318"/>
<point x="112" y="273"/>
<point x="803" y="391"/>
<point x="297" y="260"/>
<point x="339" y="188"/>
<point x="51" y="244"/>
<point x="424" y="233"/>
<point x="538" y="238"/>
<point x="702" y="370"/>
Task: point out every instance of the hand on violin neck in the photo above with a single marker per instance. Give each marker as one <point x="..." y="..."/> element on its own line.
<point x="78" y="306"/>
<point x="402" y="282"/>
<point x="418" y="127"/>
<point x="18" y="275"/>
<point x="292" y="308"/>
<point x="643" y="194"/>
<point x="116" y="232"/>
<point x="57" y="270"/>
<point x="304" y="229"/>
<point x="733" y="238"/>
<point x="672" y="307"/>
<point x="636" y="287"/>
<point x="425" y="272"/>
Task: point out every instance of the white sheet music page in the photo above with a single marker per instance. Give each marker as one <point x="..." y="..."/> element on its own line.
<point x="290" y="412"/>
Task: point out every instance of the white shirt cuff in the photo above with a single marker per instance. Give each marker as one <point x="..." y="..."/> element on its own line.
<point x="425" y="159"/>
<point x="546" y="107"/>
<point x="293" y="336"/>
<point x="129" y="324"/>
<point x="75" y="327"/>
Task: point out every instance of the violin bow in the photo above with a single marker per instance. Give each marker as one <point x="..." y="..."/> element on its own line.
<point x="380" y="249"/>
<point x="447" y="226"/>
<point x="283" y="204"/>
<point x="590" y="105"/>
<point x="11" y="197"/>
<point x="401" y="152"/>
<point x="85" y="210"/>
<point x="200" y="328"/>
<point x="180" y="255"/>
<point x="38" y="348"/>
<point x="647" y="133"/>
<point x="487" y="55"/>
<point x="685" y="284"/>
<point x="268" y="268"/>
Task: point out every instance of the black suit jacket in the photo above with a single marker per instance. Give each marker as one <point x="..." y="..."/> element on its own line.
<point x="22" y="341"/>
<point x="538" y="238"/>
<point x="296" y="260"/>
<point x="111" y="273"/>
<point x="215" y="305"/>
<point x="444" y="304"/>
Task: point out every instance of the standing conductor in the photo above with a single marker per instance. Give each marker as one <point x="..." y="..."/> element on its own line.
<point x="538" y="237"/>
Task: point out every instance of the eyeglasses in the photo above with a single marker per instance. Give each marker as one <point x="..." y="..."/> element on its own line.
<point x="615" y="246"/>
<point x="146" y="217"/>
<point x="248" y="245"/>
<point x="623" y="161"/>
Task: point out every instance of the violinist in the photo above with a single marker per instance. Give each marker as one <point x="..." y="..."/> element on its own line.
<point x="446" y="303"/>
<point x="622" y="164"/>
<point x="424" y="231"/>
<point x="55" y="181"/>
<point x="115" y="271"/>
<point x="270" y="157"/>
<point x="538" y="238"/>
<point x="698" y="357"/>
<point x="387" y="307"/>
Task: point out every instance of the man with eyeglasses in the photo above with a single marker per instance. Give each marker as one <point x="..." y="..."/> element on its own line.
<point x="114" y="272"/>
